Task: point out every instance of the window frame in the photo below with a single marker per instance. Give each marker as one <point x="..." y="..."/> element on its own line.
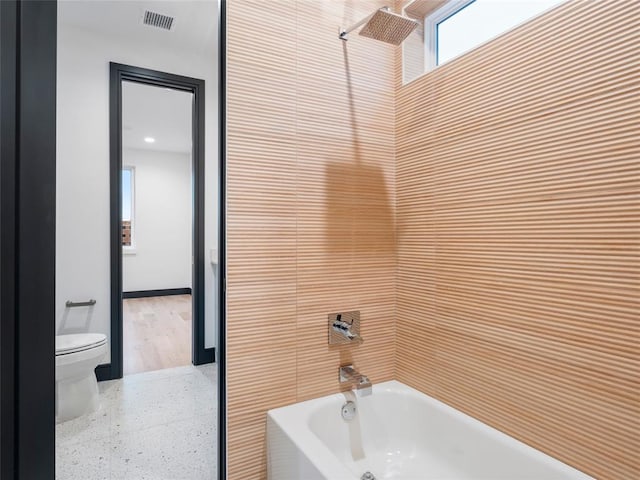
<point x="449" y="9"/>
<point x="130" y="249"/>
<point x="431" y="21"/>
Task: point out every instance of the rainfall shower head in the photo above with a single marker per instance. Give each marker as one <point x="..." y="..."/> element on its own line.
<point x="384" y="25"/>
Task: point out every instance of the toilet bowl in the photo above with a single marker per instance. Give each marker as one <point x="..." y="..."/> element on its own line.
<point x="77" y="356"/>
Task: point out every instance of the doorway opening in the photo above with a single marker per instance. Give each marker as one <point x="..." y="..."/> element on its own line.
<point x="157" y="227"/>
<point x="157" y="222"/>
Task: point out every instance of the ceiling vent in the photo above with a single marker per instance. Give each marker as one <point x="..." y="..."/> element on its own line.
<point x="158" y="20"/>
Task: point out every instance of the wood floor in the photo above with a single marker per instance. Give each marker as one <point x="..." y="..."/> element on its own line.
<point x="156" y="333"/>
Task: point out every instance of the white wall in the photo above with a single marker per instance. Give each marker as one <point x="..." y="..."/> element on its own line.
<point x="163" y="221"/>
<point x="82" y="175"/>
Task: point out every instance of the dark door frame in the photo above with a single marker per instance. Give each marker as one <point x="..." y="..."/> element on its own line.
<point x="28" y="32"/>
<point x="222" y="240"/>
<point x="118" y="74"/>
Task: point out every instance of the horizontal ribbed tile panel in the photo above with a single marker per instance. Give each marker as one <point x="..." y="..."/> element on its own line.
<point x="310" y="208"/>
<point x="518" y="213"/>
<point x="261" y="225"/>
<point x="346" y="196"/>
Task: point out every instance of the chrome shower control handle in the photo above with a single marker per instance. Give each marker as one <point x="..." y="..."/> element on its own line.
<point x="344" y="328"/>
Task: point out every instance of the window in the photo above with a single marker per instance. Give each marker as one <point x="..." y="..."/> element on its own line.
<point x="462" y="25"/>
<point x="127" y="207"/>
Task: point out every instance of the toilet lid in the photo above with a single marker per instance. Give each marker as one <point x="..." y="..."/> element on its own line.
<point x="77" y="342"/>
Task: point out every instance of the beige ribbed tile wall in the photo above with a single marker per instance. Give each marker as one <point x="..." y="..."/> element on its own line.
<point x="518" y="210"/>
<point x="311" y="202"/>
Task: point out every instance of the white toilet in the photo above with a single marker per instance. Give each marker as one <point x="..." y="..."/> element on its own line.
<point x="77" y="356"/>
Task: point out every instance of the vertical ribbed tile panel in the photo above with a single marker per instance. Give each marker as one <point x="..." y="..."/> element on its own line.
<point x="518" y="235"/>
<point x="311" y="201"/>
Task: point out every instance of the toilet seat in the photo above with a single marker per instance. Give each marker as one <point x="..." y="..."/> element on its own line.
<point x="67" y="344"/>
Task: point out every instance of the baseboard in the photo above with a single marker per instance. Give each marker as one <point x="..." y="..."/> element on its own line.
<point x="104" y="373"/>
<point x="208" y="356"/>
<point x="156" y="293"/>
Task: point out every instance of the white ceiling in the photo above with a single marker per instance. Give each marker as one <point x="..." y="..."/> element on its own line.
<point x="194" y="28"/>
<point x="148" y="111"/>
<point x="157" y="112"/>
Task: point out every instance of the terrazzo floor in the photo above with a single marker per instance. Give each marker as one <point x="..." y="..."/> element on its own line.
<point x="157" y="425"/>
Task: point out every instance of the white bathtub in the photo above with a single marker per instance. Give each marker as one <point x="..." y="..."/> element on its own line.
<point x="398" y="433"/>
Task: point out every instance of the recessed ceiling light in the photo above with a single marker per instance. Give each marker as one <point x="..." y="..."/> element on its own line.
<point x="149" y="139"/>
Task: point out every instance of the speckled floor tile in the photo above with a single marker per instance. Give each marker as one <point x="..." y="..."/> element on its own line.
<point x="178" y="451"/>
<point x="153" y="425"/>
<point x="84" y="461"/>
<point x="156" y="405"/>
<point x="94" y="426"/>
